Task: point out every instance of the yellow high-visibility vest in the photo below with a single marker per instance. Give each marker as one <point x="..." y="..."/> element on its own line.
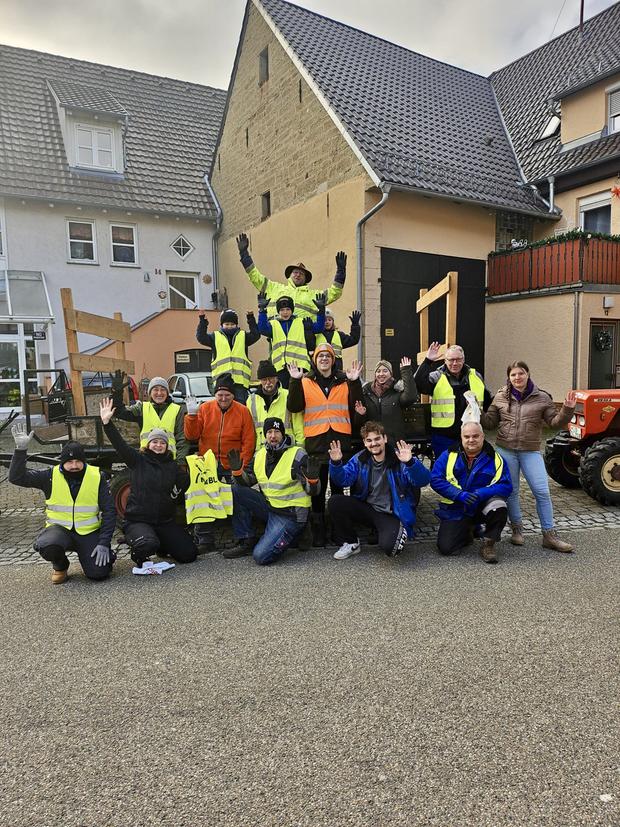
<point x="442" y="403"/>
<point x="453" y="456"/>
<point x="291" y="348"/>
<point x="82" y="514"/>
<point x="151" y="419"/>
<point x="232" y="360"/>
<point x="293" y="423"/>
<point x="336" y="342"/>
<point x="280" y="490"/>
<point x="207" y="498"/>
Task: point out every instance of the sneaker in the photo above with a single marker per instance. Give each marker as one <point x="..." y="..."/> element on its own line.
<point x="399" y="543"/>
<point x="59" y="577"/>
<point x="347" y="550"/>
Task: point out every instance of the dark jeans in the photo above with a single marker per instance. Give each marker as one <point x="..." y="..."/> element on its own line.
<point x="345" y="512"/>
<point x="455" y="534"/>
<point x="318" y="501"/>
<point x="281" y="530"/>
<point x="53" y="543"/>
<point x="163" y="539"/>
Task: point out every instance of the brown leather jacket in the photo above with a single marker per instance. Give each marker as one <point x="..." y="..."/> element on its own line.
<point x="519" y="424"/>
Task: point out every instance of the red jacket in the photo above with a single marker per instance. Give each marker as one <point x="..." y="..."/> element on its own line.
<point x="222" y="430"/>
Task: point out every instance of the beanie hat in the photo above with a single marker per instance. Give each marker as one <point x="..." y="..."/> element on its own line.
<point x="72" y="450"/>
<point x="229" y="316"/>
<point x="224" y="382"/>
<point x="324" y="346"/>
<point x="266" y="369"/>
<point x="285" y="301"/>
<point x="274" y="423"/>
<point x="158" y="433"/>
<point x="328" y="312"/>
<point x="383" y="363"/>
<point x="156" y="382"/>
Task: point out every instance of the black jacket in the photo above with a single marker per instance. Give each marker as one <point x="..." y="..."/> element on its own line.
<point x="388" y="409"/>
<point x="157" y="482"/>
<point x="133" y="413"/>
<point x="25" y="478"/>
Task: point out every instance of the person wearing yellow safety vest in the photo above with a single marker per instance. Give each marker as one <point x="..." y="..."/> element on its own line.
<point x="447" y="386"/>
<point x="206" y="500"/>
<point x="298" y="277"/>
<point x="79" y="509"/>
<point x="287" y="479"/>
<point x="159" y="411"/>
<point x="156" y="484"/>
<point x="229" y="347"/>
<point x="292" y="338"/>
<point x="270" y="399"/>
<point x="474" y="483"/>
<point x="336" y="338"/>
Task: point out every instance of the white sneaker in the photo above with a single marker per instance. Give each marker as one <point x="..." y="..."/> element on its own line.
<point x="347" y="550"/>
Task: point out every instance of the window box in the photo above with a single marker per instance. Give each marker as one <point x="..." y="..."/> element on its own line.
<point x="81" y="242"/>
<point x="124" y="245"/>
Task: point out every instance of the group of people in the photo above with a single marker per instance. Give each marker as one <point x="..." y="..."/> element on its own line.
<point x="268" y="458"/>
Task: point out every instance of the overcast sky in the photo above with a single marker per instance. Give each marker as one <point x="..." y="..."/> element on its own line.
<point x="196" y="39"/>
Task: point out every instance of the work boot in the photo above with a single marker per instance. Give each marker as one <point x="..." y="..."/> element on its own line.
<point x="317" y="526"/>
<point x="517" y="538"/>
<point x="487" y="552"/>
<point x="244" y="548"/>
<point x="59" y="577"/>
<point x="551" y="540"/>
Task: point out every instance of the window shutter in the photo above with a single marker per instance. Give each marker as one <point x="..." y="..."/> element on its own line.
<point x="614" y="103"/>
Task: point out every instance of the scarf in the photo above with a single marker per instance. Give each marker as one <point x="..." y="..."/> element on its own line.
<point x="521" y="395"/>
<point x="381" y="390"/>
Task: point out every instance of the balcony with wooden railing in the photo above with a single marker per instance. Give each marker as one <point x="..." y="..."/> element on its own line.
<point x="557" y="263"/>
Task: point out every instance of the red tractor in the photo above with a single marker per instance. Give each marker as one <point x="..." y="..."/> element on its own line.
<point x="588" y="454"/>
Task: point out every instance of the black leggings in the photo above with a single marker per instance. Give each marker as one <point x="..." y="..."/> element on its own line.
<point x="345" y="512"/>
<point x="163" y="539"/>
<point x="318" y="501"/>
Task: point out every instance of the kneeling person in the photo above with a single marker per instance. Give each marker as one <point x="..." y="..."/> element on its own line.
<point x="80" y="514"/>
<point x="287" y="478"/>
<point x="382" y="482"/>
<point x="473" y="482"/>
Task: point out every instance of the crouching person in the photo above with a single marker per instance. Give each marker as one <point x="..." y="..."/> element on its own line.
<point x="287" y="478"/>
<point x="382" y="480"/>
<point x="79" y="510"/>
<point x="206" y="500"/>
<point x="156" y="483"/>
<point x="474" y="483"/>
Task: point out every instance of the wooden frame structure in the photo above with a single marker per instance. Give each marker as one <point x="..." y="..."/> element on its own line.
<point x="447" y="287"/>
<point x="77" y="321"/>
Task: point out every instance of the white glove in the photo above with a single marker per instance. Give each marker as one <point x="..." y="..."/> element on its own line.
<point x="192" y="405"/>
<point x="101" y="555"/>
<point x="472" y="411"/>
<point x="21" y="437"/>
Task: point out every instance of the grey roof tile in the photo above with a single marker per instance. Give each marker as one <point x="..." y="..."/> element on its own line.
<point x="78" y="96"/>
<point x="172" y="131"/>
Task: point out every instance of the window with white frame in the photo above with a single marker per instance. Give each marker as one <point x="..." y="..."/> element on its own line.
<point x="595" y="213"/>
<point x="81" y="241"/>
<point x="614" y="111"/>
<point x="182" y="247"/>
<point x="124" y="244"/>
<point x="94" y="147"/>
<point x="182" y="291"/>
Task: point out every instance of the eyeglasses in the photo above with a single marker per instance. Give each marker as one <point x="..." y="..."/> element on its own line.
<point x="460" y="359"/>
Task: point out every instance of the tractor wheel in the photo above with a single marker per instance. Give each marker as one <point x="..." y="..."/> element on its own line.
<point x="600" y="471"/>
<point x="120" y="488"/>
<point x="561" y="464"/>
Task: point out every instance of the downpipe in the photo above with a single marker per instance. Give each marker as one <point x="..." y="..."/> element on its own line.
<point x="219" y="217"/>
<point x="359" y="237"/>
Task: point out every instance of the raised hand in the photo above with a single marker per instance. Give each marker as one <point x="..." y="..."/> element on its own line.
<point x="355" y="370"/>
<point x="571" y="399"/>
<point x="101" y="555"/>
<point x="106" y="410"/>
<point x="433" y="352"/>
<point x="404" y="452"/>
<point x="295" y="372"/>
<point x="320" y="300"/>
<point x="234" y="460"/>
<point x="21" y="436"/>
<point x="243" y="243"/>
<point x="251" y="318"/>
<point x="360" y="408"/>
<point x="335" y="451"/>
<point x="341" y="262"/>
<point x="355" y="317"/>
<point x="191" y="405"/>
<point x="405" y="362"/>
<point x="263" y="301"/>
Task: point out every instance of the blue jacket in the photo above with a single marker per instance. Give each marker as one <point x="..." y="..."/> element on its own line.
<point x="476" y="479"/>
<point x="403" y="478"/>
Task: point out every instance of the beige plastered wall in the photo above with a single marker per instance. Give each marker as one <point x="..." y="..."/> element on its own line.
<point x="585" y="112"/>
<point x="569" y="202"/>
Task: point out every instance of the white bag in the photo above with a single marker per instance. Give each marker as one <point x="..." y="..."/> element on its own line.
<point x="472" y="411"/>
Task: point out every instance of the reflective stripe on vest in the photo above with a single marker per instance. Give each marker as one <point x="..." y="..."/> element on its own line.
<point x="442" y="403"/>
<point x="232" y="360"/>
<point x="321" y="413"/>
<point x="336" y="342"/>
<point x="150" y="420"/>
<point x="453" y="456"/>
<point x="83" y="514"/>
<point x="207" y="498"/>
<point x="280" y="490"/>
<point x="291" y="347"/>
<point x="256" y="405"/>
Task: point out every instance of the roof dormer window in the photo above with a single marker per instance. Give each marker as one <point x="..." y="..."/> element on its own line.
<point x="94" y="147"/>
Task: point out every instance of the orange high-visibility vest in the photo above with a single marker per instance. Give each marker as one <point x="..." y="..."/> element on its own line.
<point x="322" y="413"/>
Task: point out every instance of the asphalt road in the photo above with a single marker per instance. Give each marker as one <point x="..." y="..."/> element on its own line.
<point x="421" y="691"/>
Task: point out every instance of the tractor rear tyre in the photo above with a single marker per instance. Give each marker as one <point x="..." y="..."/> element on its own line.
<point x="120" y="488"/>
<point x="561" y="464"/>
<point x="600" y="471"/>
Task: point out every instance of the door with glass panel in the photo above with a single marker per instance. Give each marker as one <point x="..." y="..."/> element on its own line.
<point x="604" y="355"/>
<point x="10" y="373"/>
<point x="182" y="291"/>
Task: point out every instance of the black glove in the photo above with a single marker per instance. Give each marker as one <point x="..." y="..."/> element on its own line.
<point x="250" y="317"/>
<point x="341" y="267"/>
<point x="320" y="300"/>
<point x="243" y="243"/>
<point x="312" y="468"/>
<point x="263" y="302"/>
<point x="234" y="460"/>
<point x="355" y="317"/>
<point x="468" y="498"/>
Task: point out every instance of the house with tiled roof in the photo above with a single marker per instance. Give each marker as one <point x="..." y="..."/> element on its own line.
<point x="103" y="189"/>
<point x="333" y="138"/>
